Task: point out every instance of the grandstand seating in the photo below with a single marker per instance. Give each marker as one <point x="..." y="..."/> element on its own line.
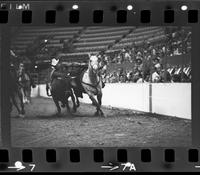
<point x="139" y="35"/>
<point x="28" y="35"/>
<point x="87" y="39"/>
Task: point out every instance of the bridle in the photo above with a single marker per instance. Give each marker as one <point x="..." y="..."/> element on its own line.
<point x="96" y="72"/>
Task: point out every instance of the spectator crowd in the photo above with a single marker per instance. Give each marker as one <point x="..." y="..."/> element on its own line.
<point x="141" y="61"/>
<point x="145" y="62"/>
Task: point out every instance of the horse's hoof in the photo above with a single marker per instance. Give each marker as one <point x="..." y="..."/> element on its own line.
<point x="102" y="114"/>
<point x="96" y="114"/>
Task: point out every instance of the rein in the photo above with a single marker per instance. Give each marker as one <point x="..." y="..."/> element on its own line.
<point x="94" y="86"/>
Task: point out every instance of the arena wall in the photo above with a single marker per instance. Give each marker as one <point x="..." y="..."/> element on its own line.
<point x="35" y="91"/>
<point x="172" y="99"/>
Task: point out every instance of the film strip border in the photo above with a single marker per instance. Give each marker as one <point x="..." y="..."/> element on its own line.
<point x="102" y="159"/>
<point x="99" y="13"/>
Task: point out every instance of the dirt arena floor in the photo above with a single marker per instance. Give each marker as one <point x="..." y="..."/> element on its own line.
<point x="41" y="128"/>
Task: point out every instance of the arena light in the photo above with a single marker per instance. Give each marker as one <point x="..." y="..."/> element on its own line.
<point x="184" y="7"/>
<point x="75" y="7"/>
<point x="129" y="7"/>
<point x="45" y="40"/>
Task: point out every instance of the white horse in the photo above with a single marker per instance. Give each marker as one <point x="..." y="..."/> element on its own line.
<point x="91" y="82"/>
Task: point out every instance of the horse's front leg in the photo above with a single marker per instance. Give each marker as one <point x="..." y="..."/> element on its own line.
<point x="28" y="95"/>
<point x="74" y="92"/>
<point x="23" y="95"/>
<point x="99" y="97"/>
<point x="15" y="104"/>
<point x="67" y="105"/>
<point x="95" y="103"/>
<point x="73" y="101"/>
<point x="77" y="101"/>
<point x="58" y="106"/>
<point x="22" y="111"/>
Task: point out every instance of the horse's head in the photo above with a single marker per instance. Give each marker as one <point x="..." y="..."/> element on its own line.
<point x="94" y="63"/>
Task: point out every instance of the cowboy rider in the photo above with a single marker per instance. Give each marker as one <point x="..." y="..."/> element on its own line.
<point x="57" y="70"/>
<point x="54" y="63"/>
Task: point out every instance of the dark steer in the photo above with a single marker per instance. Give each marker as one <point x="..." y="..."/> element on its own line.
<point x="61" y="90"/>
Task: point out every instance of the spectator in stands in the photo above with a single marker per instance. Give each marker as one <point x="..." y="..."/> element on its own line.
<point x="127" y="55"/>
<point x="165" y="76"/>
<point x="156" y="61"/>
<point x="129" y="76"/>
<point x="146" y="69"/>
<point x="113" y="78"/>
<point x="140" y="78"/>
<point x="136" y="75"/>
<point x="122" y="78"/>
<point x="156" y="78"/>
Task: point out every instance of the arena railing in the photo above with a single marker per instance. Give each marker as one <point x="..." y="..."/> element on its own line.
<point x="100" y="38"/>
<point x="105" y="33"/>
<point x="107" y="29"/>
